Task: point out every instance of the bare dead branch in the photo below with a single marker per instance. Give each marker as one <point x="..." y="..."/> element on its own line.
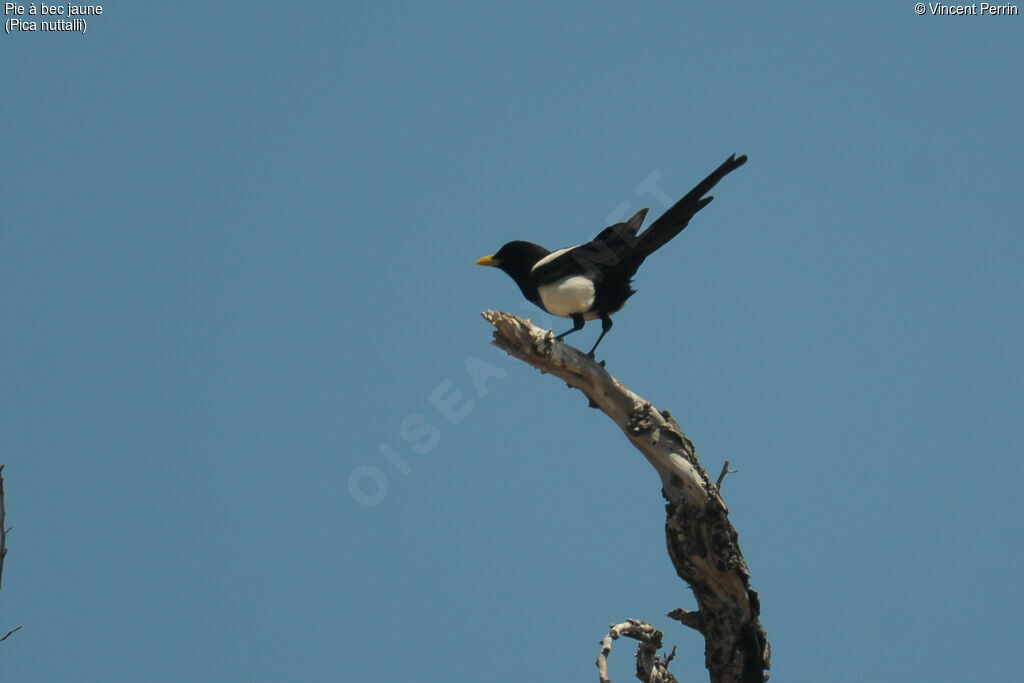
<point x="649" y="666"/>
<point x="3" y="529"/>
<point x="686" y="617"/>
<point x="3" y="543"/>
<point x="721" y="475"/>
<point x="8" y="634"/>
<point x="702" y="542"/>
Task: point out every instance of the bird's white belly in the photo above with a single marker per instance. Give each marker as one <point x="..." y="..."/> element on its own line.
<point x="567" y="296"/>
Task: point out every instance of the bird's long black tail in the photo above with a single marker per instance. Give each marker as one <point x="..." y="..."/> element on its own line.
<point x="675" y="219"/>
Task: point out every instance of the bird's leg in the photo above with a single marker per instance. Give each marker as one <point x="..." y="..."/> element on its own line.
<point x="606" y="324"/>
<point x="577" y="325"/>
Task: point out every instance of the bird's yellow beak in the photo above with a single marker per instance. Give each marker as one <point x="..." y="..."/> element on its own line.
<point x="488" y="260"/>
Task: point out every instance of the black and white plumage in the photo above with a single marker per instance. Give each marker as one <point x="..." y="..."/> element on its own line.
<point x="593" y="280"/>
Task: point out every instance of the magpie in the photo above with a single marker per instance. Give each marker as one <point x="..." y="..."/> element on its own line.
<point x="593" y="280"/>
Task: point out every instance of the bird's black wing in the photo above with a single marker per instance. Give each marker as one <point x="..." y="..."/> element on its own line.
<point x="607" y="250"/>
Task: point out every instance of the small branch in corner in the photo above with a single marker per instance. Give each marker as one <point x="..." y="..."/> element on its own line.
<point x="3" y="544"/>
<point x="3" y="528"/>
<point x="8" y="634"/>
<point x="721" y="476"/>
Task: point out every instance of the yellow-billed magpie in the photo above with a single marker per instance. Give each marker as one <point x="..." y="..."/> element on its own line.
<point x="592" y="280"/>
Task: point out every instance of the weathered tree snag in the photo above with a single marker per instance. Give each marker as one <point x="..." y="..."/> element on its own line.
<point x="702" y="543"/>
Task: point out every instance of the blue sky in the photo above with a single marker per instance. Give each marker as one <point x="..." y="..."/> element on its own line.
<point x="236" y="267"/>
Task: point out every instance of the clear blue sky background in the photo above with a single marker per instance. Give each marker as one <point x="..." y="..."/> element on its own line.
<point x="236" y="255"/>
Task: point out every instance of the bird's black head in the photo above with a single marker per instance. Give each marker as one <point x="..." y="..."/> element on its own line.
<point x="516" y="259"/>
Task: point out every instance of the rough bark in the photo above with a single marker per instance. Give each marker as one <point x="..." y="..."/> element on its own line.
<point x="702" y="542"/>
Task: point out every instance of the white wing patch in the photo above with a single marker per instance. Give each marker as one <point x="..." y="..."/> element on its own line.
<point x="550" y="257"/>
<point x="569" y="295"/>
